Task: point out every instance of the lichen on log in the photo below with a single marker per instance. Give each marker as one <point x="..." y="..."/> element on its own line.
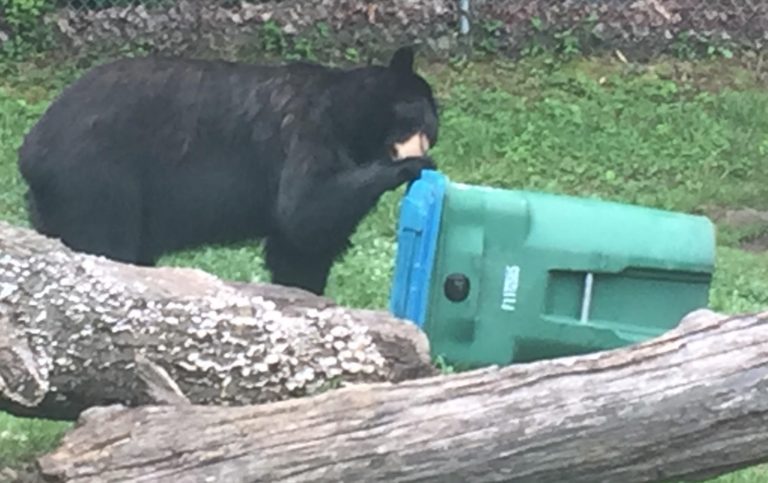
<point x="73" y="327"/>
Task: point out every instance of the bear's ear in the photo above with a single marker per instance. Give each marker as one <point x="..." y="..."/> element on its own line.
<point x="402" y="60"/>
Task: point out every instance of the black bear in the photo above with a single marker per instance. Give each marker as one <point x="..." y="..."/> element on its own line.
<point x="140" y="157"/>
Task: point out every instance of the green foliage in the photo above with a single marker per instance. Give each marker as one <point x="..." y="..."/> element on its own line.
<point x="487" y="35"/>
<point x="740" y="284"/>
<point x="23" y="15"/>
<point x="270" y="40"/>
<point x="16" y="116"/>
<point x="638" y="139"/>
<point x="588" y="128"/>
<point x="351" y="54"/>
<point x="30" y="36"/>
<point x="561" y="43"/>
<point x="25" y="19"/>
<point x="690" y="46"/>
<point x="579" y="38"/>
<point x="99" y="4"/>
<point x="443" y="366"/>
<point x="20" y="437"/>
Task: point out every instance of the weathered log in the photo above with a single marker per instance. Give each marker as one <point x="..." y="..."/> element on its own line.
<point x="690" y="404"/>
<point x="78" y="331"/>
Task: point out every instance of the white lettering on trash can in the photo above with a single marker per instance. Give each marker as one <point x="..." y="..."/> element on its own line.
<point x="511" y="283"/>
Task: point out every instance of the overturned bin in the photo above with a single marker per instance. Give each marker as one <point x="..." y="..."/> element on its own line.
<point x="498" y="276"/>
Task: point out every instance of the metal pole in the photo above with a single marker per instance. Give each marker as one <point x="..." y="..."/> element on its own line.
<point x="464" y="17"/>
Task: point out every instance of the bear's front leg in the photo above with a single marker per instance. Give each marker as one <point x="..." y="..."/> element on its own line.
<point x="294" y="267"/>
<point x="316" y="213"/>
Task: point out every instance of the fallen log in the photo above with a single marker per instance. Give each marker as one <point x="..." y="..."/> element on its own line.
<point x="79" y="331"/>
<point x="688" y="405"/>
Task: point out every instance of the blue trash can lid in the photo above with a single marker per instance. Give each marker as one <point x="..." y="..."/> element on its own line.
<point x="417" y="234"/>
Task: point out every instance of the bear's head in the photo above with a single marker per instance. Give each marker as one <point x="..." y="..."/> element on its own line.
<point x="414" y="116"/>
<point x="387" y="110"/>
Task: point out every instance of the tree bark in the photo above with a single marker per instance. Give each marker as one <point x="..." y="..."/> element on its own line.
<point x="79" y="331"/>
<point x="690" y="404"/>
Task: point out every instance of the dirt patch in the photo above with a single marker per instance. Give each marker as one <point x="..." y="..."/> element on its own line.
<point x="736" y="217"/>
<point x="756" y="244"/>
<point x="748" y="226"/>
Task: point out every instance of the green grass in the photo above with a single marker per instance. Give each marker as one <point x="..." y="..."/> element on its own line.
<point x="22" y="438"/>
<point x="589" y="127"/>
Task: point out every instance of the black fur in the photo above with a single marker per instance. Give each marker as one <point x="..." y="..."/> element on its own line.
<point x="141" y="157"/>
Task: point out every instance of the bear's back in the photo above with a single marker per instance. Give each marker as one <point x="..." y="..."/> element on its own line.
<point x="160" y="104"/>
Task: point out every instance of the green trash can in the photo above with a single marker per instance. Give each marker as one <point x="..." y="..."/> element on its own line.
<point x="499" y="276"/>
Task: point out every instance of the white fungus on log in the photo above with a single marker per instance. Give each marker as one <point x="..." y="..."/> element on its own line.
<point x="84" y="320"/>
